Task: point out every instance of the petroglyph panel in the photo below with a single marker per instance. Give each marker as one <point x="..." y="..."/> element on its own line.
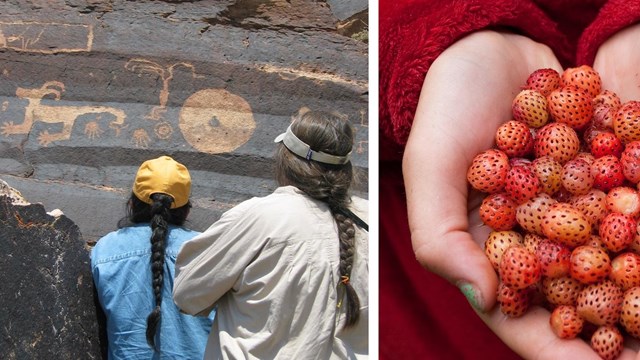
<point x="66" y="115"/>
<point x="216" y="121"/>
<point x="46" y="38"/>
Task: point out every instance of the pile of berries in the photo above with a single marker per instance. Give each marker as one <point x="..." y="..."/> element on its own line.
<point x="563" y="203"/>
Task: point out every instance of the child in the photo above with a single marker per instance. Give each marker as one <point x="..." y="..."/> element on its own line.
<point x="133" y="270"/>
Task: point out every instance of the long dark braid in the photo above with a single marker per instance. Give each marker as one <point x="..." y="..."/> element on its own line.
<point x="329" y="133"/>
<point x="159" y="214"/>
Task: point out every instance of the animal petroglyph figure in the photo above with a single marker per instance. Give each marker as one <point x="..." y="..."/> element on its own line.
<point x="65" y="114"/>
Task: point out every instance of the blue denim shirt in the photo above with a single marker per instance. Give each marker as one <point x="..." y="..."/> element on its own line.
<point x="121" y="266"/>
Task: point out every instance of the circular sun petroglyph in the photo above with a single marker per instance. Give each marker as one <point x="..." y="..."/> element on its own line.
<point x="216" y="121"/>
<point x="163" y="130"/>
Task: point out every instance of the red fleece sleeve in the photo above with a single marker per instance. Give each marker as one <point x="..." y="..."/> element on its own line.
<point x="411" y="40"/>
<point x="614" y="16"/>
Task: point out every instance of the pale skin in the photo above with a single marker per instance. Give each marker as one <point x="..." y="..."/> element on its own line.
<point x="466" y="96"/>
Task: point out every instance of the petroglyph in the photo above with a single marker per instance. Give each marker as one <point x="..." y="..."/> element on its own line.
<point x="141" y="66"/>
<point x="216" y="121"/>
<point x="163" y="130"/>
<point x="141" y="138"/>
<point x="65" y="114"/>
<point x="93" y="130"/>
<point x="46" y="38"/>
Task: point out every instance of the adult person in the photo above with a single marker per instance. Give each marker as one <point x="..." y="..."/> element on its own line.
<point x="448" y="73"/>
<point x="288" y="272"/>
<point x="133" y="270"/>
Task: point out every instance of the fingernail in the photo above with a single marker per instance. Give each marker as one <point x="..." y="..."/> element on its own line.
<point x="472" y="294"/>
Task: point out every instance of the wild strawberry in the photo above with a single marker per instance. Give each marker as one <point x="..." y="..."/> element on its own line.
<point x="589" y="264"/>
<point x="630" y="160"/>
<point x="607" y="98"/>
<point x="565" y="322"/>
<point x="565" y="224"/>
<point x="607" y="173"/>
<point x="625" y="270"/>
<point x="600" y="303"/>
<point x="488" y="171"/>
<point x="514" y="138"/>
<point x="624" y="200"/>
<point x="563" y="195"/>
<point x="519" y="268"/>
<point x="596" y="242"/>
<point x="617" y="231"/>
<point x="606" y="143"/>
<point x="583" y="77"/>
<point x="562" y="290"/>
<point x="529" y="214"/>
<point x="571" y="105"/>
<point x="498" y="211"/>
<point x="608" y="342"/>
<point x="592" y="204"/>
<point x="630" y="311"/>
<point x="513" y="302"/>
<point x="626" y="122"/>
<point x="498" y="242"/>
<point x="603" y="117"/>
<point x="589" y="134"/>
<point x="530" y="108"/>
<point x="520" y="161"/>
<point x="557" y="140"/>
<point x="521" y="184"/>
<point x="577" y="177"/>
<point x="635" y="244"/>
<point x="544" y="81"/>
<point x="531" y="241"/>
<point x="586" y="156"/>
<point x="554" y="258"/>
<point x="549" y="172"/>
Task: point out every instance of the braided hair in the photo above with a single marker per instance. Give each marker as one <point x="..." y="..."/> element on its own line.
<point x="159" y="215"/>
<point x="331" y="134"/>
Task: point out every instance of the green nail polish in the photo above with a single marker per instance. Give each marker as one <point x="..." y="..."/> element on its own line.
<point x="471" y="294"/>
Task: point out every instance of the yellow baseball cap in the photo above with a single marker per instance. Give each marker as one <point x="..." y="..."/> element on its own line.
<point x="163" y="175"/>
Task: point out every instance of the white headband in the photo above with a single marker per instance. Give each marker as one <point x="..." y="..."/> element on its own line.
<point x="300" y="148"/>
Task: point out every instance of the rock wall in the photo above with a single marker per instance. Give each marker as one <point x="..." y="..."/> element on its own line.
<point x="90" y="89"/>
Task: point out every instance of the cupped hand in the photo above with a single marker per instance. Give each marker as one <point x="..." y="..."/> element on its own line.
<point x="466" y="95"/>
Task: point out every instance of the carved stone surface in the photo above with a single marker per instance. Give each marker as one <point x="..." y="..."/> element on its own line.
<point x="46" y="296"/>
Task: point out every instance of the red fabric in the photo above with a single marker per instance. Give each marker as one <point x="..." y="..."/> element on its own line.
<point x="421" y="315"/>
<point x="613" y="17"/>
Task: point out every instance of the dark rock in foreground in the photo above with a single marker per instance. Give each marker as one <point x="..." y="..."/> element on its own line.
<point x="46" y="297"/>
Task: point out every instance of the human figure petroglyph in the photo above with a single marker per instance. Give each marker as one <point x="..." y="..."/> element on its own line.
<point x="140" y="66"/>
<point x="65" y="114"/>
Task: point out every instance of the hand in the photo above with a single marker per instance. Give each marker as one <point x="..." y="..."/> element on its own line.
<point x="466" y="96"/>
<point x="617" y="62"/>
